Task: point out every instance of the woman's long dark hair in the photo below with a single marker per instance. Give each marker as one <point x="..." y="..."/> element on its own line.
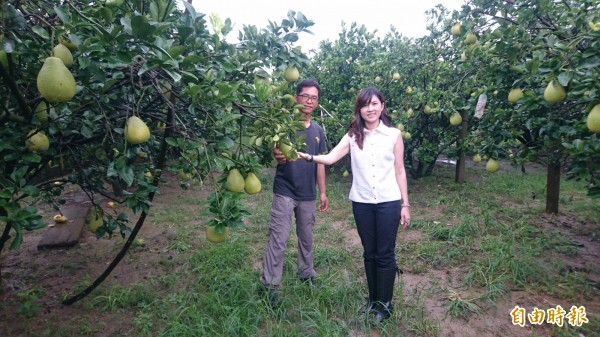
<point x="357" y="127"/>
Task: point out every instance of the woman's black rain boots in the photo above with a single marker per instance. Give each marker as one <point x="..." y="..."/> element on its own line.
<point x="385" y="291"/>
<point x="371" y="273"/>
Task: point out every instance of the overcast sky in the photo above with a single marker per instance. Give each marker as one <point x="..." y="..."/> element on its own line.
<point x="408" y="16"/>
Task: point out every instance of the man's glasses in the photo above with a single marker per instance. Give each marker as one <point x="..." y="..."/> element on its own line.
<point x="307" y="98"/>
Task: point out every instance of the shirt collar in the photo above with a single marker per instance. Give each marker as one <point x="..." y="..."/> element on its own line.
<point x="381" y="128"/>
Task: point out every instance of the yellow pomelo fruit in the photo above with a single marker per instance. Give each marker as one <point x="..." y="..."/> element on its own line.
<point x="37" y="142"/>
<point x="63" y="53"/>
<point x="252" y="185"/>
<point x="593" y="119"/>
<point x="406" y="135"/>
<point x="455" y="30"/>
<point x="470" y="38"/>
<point x="396" y="76"/>
<point x="215" y="235"/>
<point x="409" y="112"/>
<point x="95" y="219"/>
<point x="60" y="218"/>
<point x="492" y="166"/>
<point x="477" y="158"/>
<point x="67" y="43"/>
<point x="346" y="173"/>
<point x="291" y="74"/>
<point x="114" y="3"/>
<point x="514" y="95"/>
<point x="400" y="126"/>
<point x="455" y="119"/>
<point x="160" y="127"/>
<point x="235" y="181"/>
<point x="409" y="90"/>
<point x="427" y="109"/>
<point x="184" y="176"/>
<point x="55" y="82"/>
<point x="136" y="131"/>
<point x="554" y="93"/>
<point x="377" y="79"/>
<point x="286" y="149"/>
<point x="41" y="110"/>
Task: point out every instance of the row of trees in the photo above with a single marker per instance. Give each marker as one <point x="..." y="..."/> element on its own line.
<point x="476" y="55"/>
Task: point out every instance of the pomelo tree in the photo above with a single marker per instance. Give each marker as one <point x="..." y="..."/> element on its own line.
<point x="202" y="106"/>
<point x="535" y="45"/>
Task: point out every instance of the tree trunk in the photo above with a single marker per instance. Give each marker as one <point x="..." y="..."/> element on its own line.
<point x="553" y="187"/>
<point x="459" y="177"/>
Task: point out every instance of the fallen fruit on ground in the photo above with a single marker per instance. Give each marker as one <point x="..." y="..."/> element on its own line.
<point x="136" y="131"/>
<point x="235" y="181"/>
<point x="59" y="218"/>
<point x="55" y="82"/>
<point x="216" y="234"/>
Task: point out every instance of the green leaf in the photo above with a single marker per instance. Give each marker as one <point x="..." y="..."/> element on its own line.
<point x="31" y="191"/>
<point x="6" y="193"/>
<point x="18" y="240"/>
<point x="32" y="157"/>
<point x="64" y="17"/>
<point x="140" y="26"/>
<point x="41" y="32"/>
<point x="590" y="62"/>
<point x="175" y="76"/>
<point x="565" y="78"/>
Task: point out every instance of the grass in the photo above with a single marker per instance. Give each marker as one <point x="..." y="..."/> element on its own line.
<point x="469" y="247"/>
<point x="487" y="228"/>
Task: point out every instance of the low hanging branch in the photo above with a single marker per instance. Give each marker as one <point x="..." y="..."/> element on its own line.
<point x="161" y="164"/>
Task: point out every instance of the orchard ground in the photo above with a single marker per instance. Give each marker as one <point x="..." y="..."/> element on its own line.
<point x="474" y="253"/>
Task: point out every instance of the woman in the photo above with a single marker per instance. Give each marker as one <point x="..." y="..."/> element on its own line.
<point x="379" y="193"/>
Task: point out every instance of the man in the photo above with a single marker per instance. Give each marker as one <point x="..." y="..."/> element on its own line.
<point x="294" y="193"/>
